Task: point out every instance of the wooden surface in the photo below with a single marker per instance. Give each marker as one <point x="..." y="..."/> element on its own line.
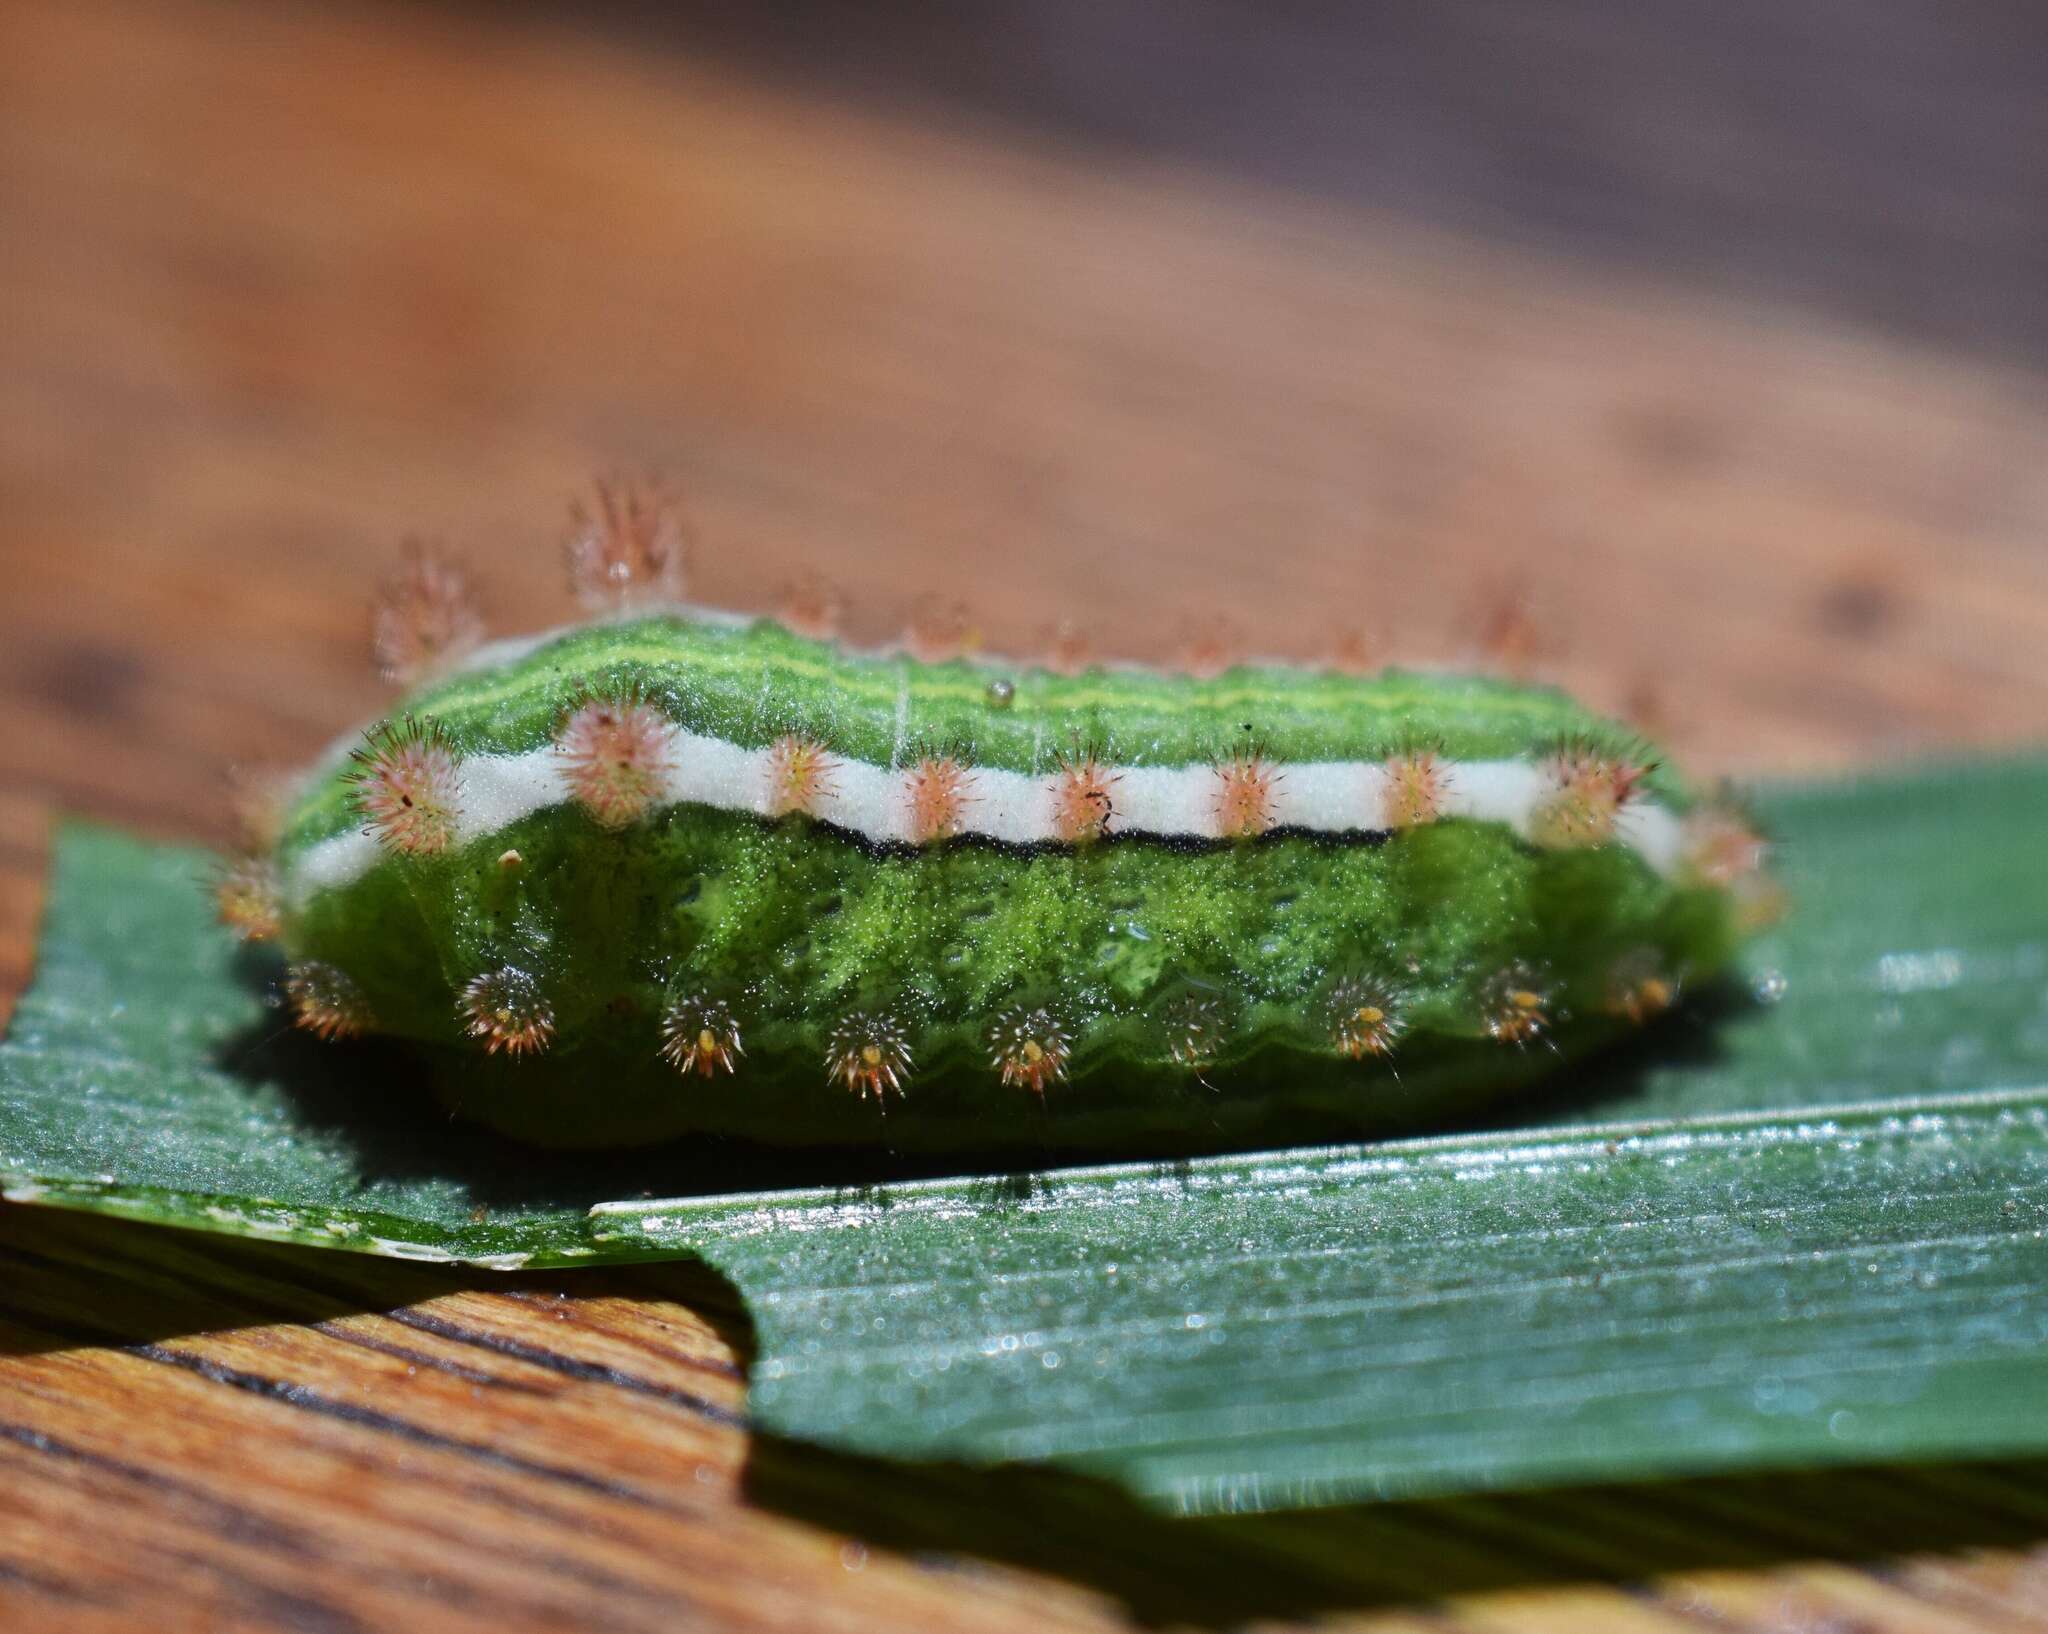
<point x="280" y="284"/>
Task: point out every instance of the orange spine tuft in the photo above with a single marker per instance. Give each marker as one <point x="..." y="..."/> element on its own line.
<point x="1069" y="649"/>
<point x="939" y="629"/>
<point x="1081" y="800"/>
<point x="699" y="1035"/>
<point x="626" y="548"/>
<point x="247" y="899"/>
<point x="1415" y="789"/>
<point x="326" y="1002"/>
<point x="1640" y="985"/>
<point x="425" y="616"/>
<point x="1515" y="1005"/>
<point x="939" y="796"/>
<point x="799" y="775"/>
<point x="1587" y="794"/>
<point x="507" y="1010"/>
<point x="614" y="756"/>
<point x="1209" y="646"/>
<point x="868" y="1053"/>
<point x="408" y="787"/>
<point x="1028" y="1048"/>
<point x="1367" y="1017"/>
<point x="813" y="606"/>
<point x="1245" y="786"/>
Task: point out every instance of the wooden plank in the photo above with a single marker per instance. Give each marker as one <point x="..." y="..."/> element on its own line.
<point x="286" y="282"/>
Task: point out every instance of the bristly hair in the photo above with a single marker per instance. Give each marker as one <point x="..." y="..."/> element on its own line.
<point x="1517" y="1004"/>
<point x="507" y="1010"/>
<point x="326" y="1001"/>
<point x="426" y="615"/>
<point x="699" y="1035"/>
<point x="1029" y="1048"/>
<point x="248" y="898"/>
<point x="939" y="788"/>
<point x="1368" y="1014"/>
<point x="1083" y="799"/>
<point x="627" y="547"/>
<point x="801" y="774"/>
<point x="1246" y="782"/>
<point x="1591" y="787"/>
<point x="868" y="1052"/>
<point x="407" y="786"/>
<point x="1418" y="782"/>
<point x="614" y="754"/>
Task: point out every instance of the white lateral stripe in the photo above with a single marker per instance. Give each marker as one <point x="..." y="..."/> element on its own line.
<point x="1493" y="791"/>
<point x="1165" y="800"/>
<point x="330" y="865"/>
<point x="1653" y="832"/>
<point x="1018" y="808"/>
<point x="1329" y="796"/>
<point x="706" y="771"/>
<point x="498" y="790"/>
<point x="866" y="799"/>
<point x="1011" y="806"/>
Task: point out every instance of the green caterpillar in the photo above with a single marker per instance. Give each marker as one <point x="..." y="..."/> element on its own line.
<point x="681" y="872"/>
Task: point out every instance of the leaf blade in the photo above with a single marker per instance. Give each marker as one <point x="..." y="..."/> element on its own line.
<point x="1300" y="1369"/>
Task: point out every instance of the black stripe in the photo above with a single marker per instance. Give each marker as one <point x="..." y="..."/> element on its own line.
<point x="15" y="1575"/>
<point x="571" y="1367"/>
<point x="230" y="1521"/>
<point x="1185" y="845"/>
<point x="421" y="1358"/>
<point x="312" y="1401"/>
<point x="234" y="1525"/>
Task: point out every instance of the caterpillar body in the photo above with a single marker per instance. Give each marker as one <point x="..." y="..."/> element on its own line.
<point x="680" y="871"/>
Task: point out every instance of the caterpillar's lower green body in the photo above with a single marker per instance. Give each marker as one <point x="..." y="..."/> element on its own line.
<point x="645" y="879"/>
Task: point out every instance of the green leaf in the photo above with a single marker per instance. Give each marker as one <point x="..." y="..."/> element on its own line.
<point x="1770" y="1233"/>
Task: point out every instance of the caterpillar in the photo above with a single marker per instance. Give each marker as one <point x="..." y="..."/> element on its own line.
<point x="676" y="871"/>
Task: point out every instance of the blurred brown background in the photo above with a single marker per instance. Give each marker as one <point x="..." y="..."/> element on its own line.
<point x="1713" y="336"/>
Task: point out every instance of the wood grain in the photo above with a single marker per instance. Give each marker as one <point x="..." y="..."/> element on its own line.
<point x="284" y="283"/>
